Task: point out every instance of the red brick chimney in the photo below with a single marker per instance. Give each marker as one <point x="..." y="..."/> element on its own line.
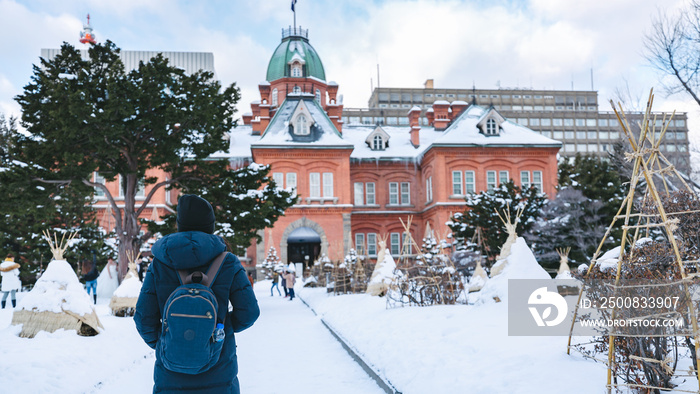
<point x="441" y="110"/>
<point x="247" y="117"/>
<point x="430" y="114"/>
<point x="414" y="122"/>
<point x="333" y="108"/>
<point x="264" y="88"/>
<point x="458" y="107"/>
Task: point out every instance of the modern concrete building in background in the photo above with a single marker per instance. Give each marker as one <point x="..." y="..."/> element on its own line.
<point x="573" y="117"/>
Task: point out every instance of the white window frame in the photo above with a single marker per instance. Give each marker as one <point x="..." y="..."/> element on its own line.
<point x="377" y="142"/>
<point x="469" y="182"/>
<point x="296" y="71"/>
<point x="537" y="180"/>
<point x="407" y="241"/>
<point x="395" y="244"/>
<point x="370" y="196"/>
<point x="371" y="244"/>
<point x="360" y="243"/>
<point x="327" y="184"/>
<point x="359" y="190"/>
<point x="315" y="184"/>
<point x="292" y="182"/>
<point x="405" y="193"/>
<point x="491" y="180"/>
<point x="318" y="96"/>
<point x="525" y="180"/>
<point x="301" y="125"/>
<point x="278" y="177"/>
<point x="274" y="99"/>
<point x="457" y="185"/>
<point x="97" y="178"/>
<point x="429" y="189"/>
<point x="393" y="193"/>
<point x="503" y="177"/>
<point x="491" y="127"/>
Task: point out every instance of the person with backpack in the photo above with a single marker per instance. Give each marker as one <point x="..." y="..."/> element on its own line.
<point x="182" y="310"/>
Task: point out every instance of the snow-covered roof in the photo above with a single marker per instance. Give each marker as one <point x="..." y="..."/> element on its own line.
<point x="323" y="133"/>
<point x="463" y="132"/>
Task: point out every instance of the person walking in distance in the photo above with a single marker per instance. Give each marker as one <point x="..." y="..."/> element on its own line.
<point x="290" y="277"/>
<point x="275" y="279"/>
<point x="9" y="270"/>
<point x="196" y="260"/>
<point x="90" y="275"/>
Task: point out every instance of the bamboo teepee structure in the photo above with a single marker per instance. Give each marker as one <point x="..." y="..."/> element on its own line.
<point x="58" y="299"/>
<point x="123" y="301"/>
<point x="651" y="177"/>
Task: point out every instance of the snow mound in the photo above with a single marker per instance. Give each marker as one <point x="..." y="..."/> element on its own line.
<point x="520" y="264"/>
<point x="130" y="287"/>
<point x="58" y="290"/>
<point x="382" y="276"/>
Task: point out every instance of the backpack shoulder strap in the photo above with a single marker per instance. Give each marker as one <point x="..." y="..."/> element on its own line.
<point x="209" y="276"/>
<point x="213" y="270"/>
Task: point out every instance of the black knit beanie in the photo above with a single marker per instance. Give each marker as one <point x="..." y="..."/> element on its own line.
<point x="195" y="214"/>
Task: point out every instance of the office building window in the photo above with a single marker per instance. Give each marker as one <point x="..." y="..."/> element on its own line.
<point x="274" y="97"/>
<point x="292" y="182"/>
<point x="97" y="178"/>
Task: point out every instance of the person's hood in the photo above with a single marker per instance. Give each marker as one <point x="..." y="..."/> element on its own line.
<point x="188" y="249"/>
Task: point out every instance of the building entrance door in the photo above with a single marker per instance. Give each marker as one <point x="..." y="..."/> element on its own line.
<point x="303" y="246"/>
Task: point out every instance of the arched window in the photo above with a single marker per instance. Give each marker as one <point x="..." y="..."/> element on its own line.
<point x="302" y="126"/>
<point x="296" y="70"/>
<point x="274" y="97"/>
<point x="491" y="127"/>
<point x="377" y="143"/>
<point x="318" y="96"/>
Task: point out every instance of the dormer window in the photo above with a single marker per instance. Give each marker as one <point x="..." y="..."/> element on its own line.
<point x="301" y="126"/>
<point x="491" y="127"/>
<point x="378" y="142"/>
<point x="274" y="97"/>
<point x="318" y="96"/>
<point x="296" y="70"/>
<point x="296" y="90"/>
<point x="377" y="139"/>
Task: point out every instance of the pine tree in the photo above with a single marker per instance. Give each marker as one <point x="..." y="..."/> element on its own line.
<point x="88" y="115"/>
<point x="245" y="200"/>
<point x="29" y="207"/>
<point x="481" y="213"/>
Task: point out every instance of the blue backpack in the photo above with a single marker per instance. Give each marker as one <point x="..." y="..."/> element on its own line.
<point x="192" y="333"/>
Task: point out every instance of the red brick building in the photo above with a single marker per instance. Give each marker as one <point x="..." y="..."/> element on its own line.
<point x="356" y="182"/>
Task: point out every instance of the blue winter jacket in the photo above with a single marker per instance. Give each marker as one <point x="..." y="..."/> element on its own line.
<point x="189" y="250"/>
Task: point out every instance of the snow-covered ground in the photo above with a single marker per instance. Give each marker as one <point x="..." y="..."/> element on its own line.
<point x="439" y="349"/>
<point x="287" y="350"/>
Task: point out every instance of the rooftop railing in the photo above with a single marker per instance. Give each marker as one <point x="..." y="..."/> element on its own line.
<point x="295" y="32"/>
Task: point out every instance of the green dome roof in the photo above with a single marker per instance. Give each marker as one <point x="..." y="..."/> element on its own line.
<point x="295" y="43"/>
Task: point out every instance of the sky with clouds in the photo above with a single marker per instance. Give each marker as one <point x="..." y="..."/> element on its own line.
<point x="540" y="44"/>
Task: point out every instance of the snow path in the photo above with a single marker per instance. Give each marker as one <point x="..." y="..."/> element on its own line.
<point x="287" y="350"/>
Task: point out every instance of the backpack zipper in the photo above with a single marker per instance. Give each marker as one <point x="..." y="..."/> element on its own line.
<point x="207" y="316"/>
<point x="187" y="295"/>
